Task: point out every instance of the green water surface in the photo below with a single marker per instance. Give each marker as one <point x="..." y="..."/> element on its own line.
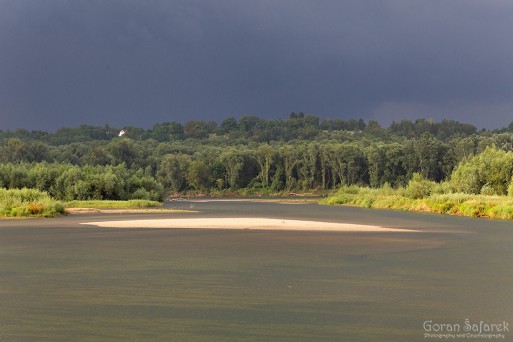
<point x="62" y="281"/>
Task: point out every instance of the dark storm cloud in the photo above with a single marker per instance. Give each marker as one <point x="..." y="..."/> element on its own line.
<point x="142" y="62"/>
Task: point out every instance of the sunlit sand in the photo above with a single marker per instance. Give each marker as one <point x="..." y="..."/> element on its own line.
<point x="246" y="223"/>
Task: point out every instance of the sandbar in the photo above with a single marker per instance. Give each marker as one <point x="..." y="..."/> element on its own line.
<point x="246" y="223"/>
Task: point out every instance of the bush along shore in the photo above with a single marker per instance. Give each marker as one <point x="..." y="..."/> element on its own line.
<point x="28" y="203"/>
<point x="422" y="195"/>
<point x="479" y="186"/>
<point x="35" y="203"/>
<point x="137" y="204"/>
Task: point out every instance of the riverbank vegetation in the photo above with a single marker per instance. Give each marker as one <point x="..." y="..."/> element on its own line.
<point x="130" y="204"/>
<point x="67" y="182"/>
<point x="460" y="204"/>
<point x="480" y="186"/>
<point x="28" y="202"/>
<point x="253" y="156"/>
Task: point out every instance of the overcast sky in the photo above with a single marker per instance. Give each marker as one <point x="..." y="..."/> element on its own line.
<point x="139" y="62"/>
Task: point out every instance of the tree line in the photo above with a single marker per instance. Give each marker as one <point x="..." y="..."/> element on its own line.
<point x="302" y="153"/>
<point x="250" y="128"/>
<point x="71" y="182"/>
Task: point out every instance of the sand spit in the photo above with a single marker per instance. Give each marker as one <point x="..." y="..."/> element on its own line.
<point x="246" y="223"/>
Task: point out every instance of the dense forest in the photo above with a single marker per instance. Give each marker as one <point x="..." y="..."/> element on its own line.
<point x="250" y="155"/>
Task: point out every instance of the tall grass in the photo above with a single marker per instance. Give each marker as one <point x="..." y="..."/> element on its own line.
<point x="113" y="204"/>
<point x="28" y="203"/>
<point x="498" y="207"/>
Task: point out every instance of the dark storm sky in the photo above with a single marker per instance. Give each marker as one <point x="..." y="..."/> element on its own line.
<point x="139" y="62"/>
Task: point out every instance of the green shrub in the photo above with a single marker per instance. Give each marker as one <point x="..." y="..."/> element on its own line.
<point x="492" y="168"/>
<point x="349" y="189"/>
<point x="510" y="187"/>
<point x="501" y="212"/>
<point x="387" y="190"/>
<point x="133" y="203"/>
<point x="487" y="190"/>
<point x="442" y="188"/>
<point x="418" y="187"/>
<point x="28" y="202"/>
<point x="141" y="194"/>
<point x="366" y="201"/>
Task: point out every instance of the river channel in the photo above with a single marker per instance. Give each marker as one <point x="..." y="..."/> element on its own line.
<point x="63" y="281"/>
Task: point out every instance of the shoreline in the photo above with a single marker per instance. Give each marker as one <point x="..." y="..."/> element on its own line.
<point x="75" y="211"/>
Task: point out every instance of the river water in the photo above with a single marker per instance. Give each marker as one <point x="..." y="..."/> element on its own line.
<point x="62" y="281"/>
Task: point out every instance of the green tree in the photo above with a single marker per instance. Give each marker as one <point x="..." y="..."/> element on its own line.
<point x="198" y="175"/>
<point x="376" y="159"/>
<point x="198" y="129"/>
<point x="493" y="169"/>
<point x="308" y="170"/>
<point x="264" y="156"/>
<point x="167" y="131"/>
<point x="427" y="152"/>
<point x="124" y="150"/>
<point x="39" y="151"/>
<point x="290" y="158"/>
<point x="172" y="171"/>
<point x="228" y="125"/>
<point x="15" y="150"/>
<point x="233" y="163"/>
<point x="97" y="156"/>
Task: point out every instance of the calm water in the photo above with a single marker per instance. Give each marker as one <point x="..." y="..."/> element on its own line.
<point x="60" y="281"/>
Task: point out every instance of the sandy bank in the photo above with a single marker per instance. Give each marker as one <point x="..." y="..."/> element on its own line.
<point x="123" y="211"/>
<point x="245" y="223"/>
